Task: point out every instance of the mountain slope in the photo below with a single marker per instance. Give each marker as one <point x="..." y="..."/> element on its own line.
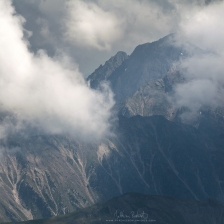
<point x="43" y="176"/>
<point x="139" y="208"/>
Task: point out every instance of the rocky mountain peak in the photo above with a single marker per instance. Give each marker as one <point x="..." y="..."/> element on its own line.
<point x="104" y="71"/>
<point x="149" y="61"/>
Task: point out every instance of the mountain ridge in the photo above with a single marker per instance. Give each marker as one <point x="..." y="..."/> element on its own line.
<point x="149" y="61"/>
<point x="139" y="208"/>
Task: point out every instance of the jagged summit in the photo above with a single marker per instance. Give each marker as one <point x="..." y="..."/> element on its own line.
<point x="104" y="71"/>
<point x="168" y="40"/>
<point x="149" y="61"/>
<point x="142" y="82"/>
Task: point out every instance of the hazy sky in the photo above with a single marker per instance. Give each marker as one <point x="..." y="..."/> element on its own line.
<point x="91" y="31"/>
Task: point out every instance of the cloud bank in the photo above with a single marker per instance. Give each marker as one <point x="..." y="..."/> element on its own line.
<point x="44" y="93"/>
<point x="104" y="24"/>
<point x="204" y="74"/>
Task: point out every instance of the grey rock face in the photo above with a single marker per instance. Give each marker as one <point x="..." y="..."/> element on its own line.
<point x="154" y="98"/>
<point x="148" y="62"/>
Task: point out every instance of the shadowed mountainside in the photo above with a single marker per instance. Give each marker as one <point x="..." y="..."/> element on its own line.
<point x="44" y="176"/>
<point x="139" y="208"/>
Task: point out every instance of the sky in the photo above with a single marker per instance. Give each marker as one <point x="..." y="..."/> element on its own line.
<point x="48" y="47"/>
<point x="91" y="31"/>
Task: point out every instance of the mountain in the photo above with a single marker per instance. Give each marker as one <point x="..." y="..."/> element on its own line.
<point x="139" y="208"/>
<point x="155" y="153"/>
<point x="44" y="176"/>
<point x="149" y="61"/>
<point x="143" y="83"/>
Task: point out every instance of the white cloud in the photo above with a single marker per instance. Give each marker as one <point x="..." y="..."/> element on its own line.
<point x="204" y="73"/>
<point x="42" y="92"/>
<point x="105" y="24"/>
<point x="90" y="25"/>
<point x="204" y="26"/>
